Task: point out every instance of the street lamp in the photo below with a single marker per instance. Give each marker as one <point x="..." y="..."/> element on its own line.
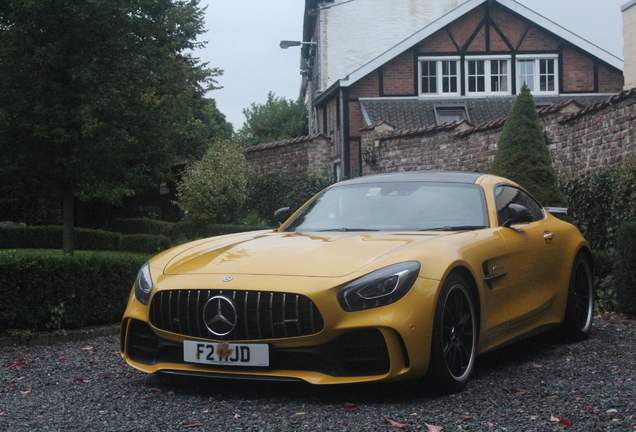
<point x="287" y="43"/>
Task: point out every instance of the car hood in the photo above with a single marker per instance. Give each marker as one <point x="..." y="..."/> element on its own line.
<point x="289" y="254"/>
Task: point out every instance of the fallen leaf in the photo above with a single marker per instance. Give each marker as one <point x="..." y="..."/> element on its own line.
<point x="466" y="418"/>
<point x="88" y="348"/>
<point x="79" y="367"/>
<point x="11" y="383"/>
<point x="490" y="424"/>
<point x="135" y="376"/>
<point x="62" y="358"/>
<point x="564" y="422"/>
<point x="349" y="407"/>
<point x="535" y="365"/>
<point x="192" y="425"/>
<point x="146" y="397"/>
<point x="522" y="393"/>
<point x="26" y="391"/>
<point x="432" y="428"/>
<point x="345" y="423"/>
<point x="553" y="418"/>
<point x="237" y="416"/>
<point x="205" y="411"/>
<point x="84" y="380"/>
<point x="103" y="377"/>
<point x="18" y="359"/>
<point x="156" y="390"/>
<point x="520" y="411"/>
<point x="394" y="424"/>
<point x="92" y="362"/>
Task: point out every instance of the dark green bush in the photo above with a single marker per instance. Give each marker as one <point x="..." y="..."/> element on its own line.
<point x="40" y="292"/>
<point x="268" y="194"/>
<point x="85" y="239"/>
<point x="625" y="269"/>
<point x="144" y="243"/>
<point x="602" y="201"/>
<point x="142" y="226"/>
<point x="193" y="230"/>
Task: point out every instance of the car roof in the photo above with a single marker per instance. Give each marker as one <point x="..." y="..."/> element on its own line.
<point x="418" y="176"/>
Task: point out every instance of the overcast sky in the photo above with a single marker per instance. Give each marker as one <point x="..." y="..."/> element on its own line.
<point x="243" y="38"/>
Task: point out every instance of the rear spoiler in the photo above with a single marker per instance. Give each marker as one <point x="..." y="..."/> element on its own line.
<point x="559" y="210"/>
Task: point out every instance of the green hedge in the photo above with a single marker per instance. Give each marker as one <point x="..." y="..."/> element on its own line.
<point x="602" y="202"/>
<point x="40" y="292"/>
<point x="50" y="237"/>
<point x="625" y="269"/>
<point x="268" y="194"/>
<point x="179" y="232"/>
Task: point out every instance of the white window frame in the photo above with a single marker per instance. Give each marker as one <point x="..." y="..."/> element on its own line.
<point x="439" y="76"/>
<point x="537" y="63"/>
<point x="488" y="75"/>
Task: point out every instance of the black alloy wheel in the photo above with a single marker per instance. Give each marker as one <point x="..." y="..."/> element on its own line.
<point x="577" y="324"/>
<point x="454" y="337"/>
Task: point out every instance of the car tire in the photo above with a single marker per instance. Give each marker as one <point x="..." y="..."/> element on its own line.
<point x="454" y="341"/>
<point x="579" y="312"/>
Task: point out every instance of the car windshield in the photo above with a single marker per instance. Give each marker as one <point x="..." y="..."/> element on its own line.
<point x="395" y="206"/>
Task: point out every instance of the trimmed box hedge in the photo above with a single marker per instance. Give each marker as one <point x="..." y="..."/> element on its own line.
<point x="625" y="269"/>
<point x="49" y="292"/>
<point x="50" y="237"/>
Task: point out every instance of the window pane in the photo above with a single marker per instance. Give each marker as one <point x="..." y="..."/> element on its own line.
<point x="526" y="73"/>
<point x="429" y="77"/>
<point x="449" y="76"/>
<point x="499" y="75"/>
<point x="547" y="77"/>
<point x="476" y="76"/>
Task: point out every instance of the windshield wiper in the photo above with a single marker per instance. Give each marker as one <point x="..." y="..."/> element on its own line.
<point x="456" y="228"/>
<point x="346" y="229"/>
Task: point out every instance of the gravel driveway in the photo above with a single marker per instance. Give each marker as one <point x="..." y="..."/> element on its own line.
<point x="536" y="385"/>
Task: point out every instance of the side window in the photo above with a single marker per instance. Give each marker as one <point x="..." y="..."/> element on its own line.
<point x="506" y="195"/>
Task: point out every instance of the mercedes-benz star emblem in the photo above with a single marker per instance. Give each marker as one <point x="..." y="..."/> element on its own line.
<point x="219" y="315"/>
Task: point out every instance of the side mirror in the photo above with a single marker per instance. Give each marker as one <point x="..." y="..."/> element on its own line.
<point x="281" y="215"/>
<point x="517" y="214"/>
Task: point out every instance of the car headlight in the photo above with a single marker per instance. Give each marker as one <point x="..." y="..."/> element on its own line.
<point x="379" y="288"/>
<point x="143" y="285"/>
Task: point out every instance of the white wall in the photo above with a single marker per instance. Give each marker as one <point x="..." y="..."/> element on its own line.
<point x="629" y="47"/>
<point x="352" y="33"/>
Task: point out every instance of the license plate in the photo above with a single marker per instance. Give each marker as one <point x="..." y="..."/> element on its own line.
<point x="233" y="354"/>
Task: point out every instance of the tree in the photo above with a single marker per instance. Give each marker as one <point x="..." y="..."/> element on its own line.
<point x="98" y="98"/>
<point x="276" y="120"/>
<point x="215" y="187"/>
<point x="522" y="154"/>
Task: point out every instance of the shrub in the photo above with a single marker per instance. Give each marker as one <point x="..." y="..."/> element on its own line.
<point x="214" y="188"/>
<point x="522" y="154"/>
<point x="39" y="292"/>
<point x="268" y="194"/>
<point x="625" y="269"/>
<point x="602" y="201"/>
<point x="142" y="226"/>
<point x="144" y="243"/>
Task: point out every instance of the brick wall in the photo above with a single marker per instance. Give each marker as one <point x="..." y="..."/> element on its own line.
<point x="580" y="141"/>
<point x="299" y="156"/>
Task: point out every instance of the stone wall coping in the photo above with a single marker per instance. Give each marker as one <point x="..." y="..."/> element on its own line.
<point x="291" y="141"/>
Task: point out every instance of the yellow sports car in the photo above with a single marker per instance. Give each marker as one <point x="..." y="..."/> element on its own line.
<point x="379" y="278"/>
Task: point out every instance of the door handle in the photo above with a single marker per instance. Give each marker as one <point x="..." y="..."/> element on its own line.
<point x="548" y="236"/>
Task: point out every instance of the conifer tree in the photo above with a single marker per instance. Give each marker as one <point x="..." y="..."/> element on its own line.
<point x="522" y="154"/>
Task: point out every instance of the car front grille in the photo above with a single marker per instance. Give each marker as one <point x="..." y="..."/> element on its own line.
<point x="259" y="314"/>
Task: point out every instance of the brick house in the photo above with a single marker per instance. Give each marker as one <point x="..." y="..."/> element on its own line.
<point x="467" y="64"/>
<point x="629" y="48"/>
